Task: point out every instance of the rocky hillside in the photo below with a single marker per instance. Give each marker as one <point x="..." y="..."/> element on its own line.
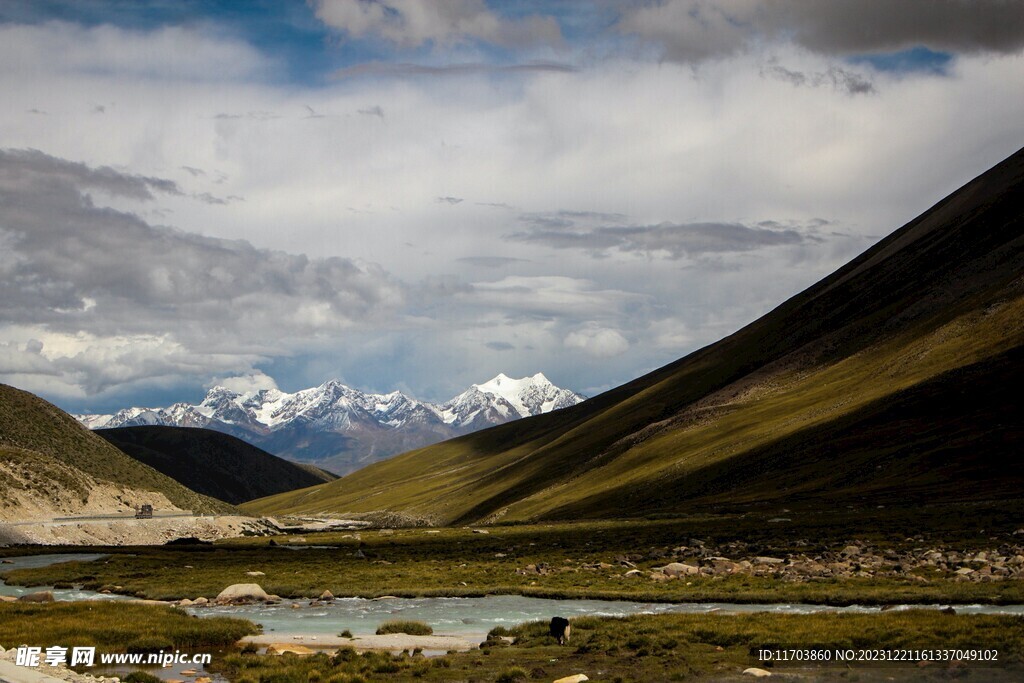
<point x="213" y="464"/>
<point x="52" y="466"/>
<point x="890" y="382"/>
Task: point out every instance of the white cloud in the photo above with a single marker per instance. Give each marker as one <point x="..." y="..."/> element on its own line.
<point x="243" y="384"/>
<point x="600" y="342"/>
<point x="351" y="267"/>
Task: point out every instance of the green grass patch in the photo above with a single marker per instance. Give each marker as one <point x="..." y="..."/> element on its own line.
<point x="115" y="627"/>
<point x="671" y="647"/>
<point x="459" y="563"/>
<point x="408" y="627"/>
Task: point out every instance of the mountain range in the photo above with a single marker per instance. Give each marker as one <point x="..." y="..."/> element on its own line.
<point x="891" y="382"/>
<point x="341" y="429"/>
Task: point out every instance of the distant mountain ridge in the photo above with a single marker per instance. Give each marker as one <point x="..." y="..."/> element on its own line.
<point x="340" y="428"/>
<point x="213" y="463"/>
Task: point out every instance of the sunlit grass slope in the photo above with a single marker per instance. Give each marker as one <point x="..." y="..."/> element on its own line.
<point x="895" y="380"/>
<point x="43" y="440"/>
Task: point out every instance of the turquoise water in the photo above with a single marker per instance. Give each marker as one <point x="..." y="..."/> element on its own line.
<point x="467" y="617"/>
<point x="33" y="561"/>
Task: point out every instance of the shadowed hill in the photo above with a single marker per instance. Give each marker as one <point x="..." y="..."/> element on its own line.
<point x="842" y="393"/>
<point x="212" y="463"/>
<point x="51" y="463"/>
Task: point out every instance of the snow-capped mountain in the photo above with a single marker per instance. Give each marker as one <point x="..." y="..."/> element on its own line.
<point x="340" y="428"/>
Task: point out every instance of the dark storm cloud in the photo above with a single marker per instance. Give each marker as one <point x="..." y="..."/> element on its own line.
<point x="840" y="79"/>
<point x="71" y="266"/>
<point x="29" y="165"/>
<point x="852" y="26"/>
<point x="675" y="240"/>
<point x="693" y="30"/>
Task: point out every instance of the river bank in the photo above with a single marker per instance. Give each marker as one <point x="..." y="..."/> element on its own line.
<point x="668" y="641"/>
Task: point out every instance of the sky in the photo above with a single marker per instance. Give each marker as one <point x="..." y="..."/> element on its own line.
<point x="420" y="194"/>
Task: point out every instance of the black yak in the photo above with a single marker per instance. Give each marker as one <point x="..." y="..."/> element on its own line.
<point x="560" y="629"/>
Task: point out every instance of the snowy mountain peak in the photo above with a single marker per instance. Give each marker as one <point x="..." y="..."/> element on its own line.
<point x="316" y="424"/>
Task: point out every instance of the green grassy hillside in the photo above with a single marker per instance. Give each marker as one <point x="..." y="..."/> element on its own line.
<point x="888" y="382"/>
<point x="212" y="463"/>
<point x="42" y="440"/>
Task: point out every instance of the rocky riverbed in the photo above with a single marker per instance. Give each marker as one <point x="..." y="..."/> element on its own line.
<point x="854" y="559"/>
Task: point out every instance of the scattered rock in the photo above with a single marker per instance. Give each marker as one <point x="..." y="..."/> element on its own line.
<point x="679" y="569"/>
<point x="38" y="596"/>
<point x="255" y="574"/>
<point x="480" y="531"/>
<point x="281" y="648"/>
<point x="576" y="678"/>
<point x="756" y="673"/>
<point x="241" y="593"/>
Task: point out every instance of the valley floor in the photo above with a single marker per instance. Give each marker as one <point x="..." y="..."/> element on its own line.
<point x="922" y="555"/>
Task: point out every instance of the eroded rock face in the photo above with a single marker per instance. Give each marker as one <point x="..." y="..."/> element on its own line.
<point x="241" y="593"/>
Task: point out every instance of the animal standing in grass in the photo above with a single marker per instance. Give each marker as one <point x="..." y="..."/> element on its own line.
<point x="560" y="629"/>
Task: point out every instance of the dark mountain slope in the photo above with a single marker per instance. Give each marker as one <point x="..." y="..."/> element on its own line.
<point x="942" y="293"/>
<point x="213" y="463"/>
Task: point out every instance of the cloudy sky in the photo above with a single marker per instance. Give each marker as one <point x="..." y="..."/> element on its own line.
<point x="419" y="194"/>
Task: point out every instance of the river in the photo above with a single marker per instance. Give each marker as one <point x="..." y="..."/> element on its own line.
<point x="469" y="618"/>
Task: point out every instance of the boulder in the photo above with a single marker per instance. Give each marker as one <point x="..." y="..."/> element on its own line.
<point x="679" y="569"/>
<point x="768" y="560"/>
<point x="575" y="678"/>
<point x="255" y="574"/>
<point x="327" y="595"/>
<point x="8" y="598"/>
<point x="200" y="601"/>
<point x="185" y="603"/>
<point x="281" y="648"/>
<point x="38" y="596"/>
<point x="756" y="673"/>
<point x="241" y="593"/>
